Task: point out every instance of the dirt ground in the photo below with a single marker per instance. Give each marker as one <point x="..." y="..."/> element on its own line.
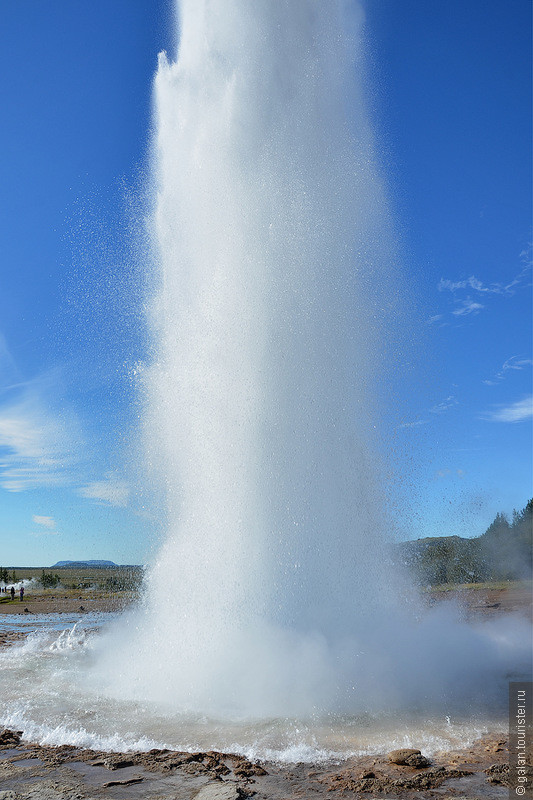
<point x="46" y="603"/>
<point x="484" y="602"/>
<point x="477" y="601"/>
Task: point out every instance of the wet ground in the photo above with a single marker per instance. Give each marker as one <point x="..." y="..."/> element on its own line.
<point x="32" y="772"/>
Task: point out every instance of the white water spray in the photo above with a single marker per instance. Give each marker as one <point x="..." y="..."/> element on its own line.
<point x="270" y="625"/>
<point x="273" y="245"/>
<point x="272" y="326"/>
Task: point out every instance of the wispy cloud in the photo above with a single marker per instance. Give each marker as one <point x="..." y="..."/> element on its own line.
<point x="47" y="525"/>
<point x="473" y="283"/>
<point x="41" y="441"/>
<point x="439" y="408"/>
<point x="515" y="363"/>
<point x="467" y="292"/>
<point x="467" y="306"/>
<point x="445" y="405"/>
<point x="111" y="491"/>
<point x="444" y="473"/>
<point x="37" y="445"/>
<point x="47" y="522"/>
<point x="516" y="412"/>
<point x="7" y="364"/>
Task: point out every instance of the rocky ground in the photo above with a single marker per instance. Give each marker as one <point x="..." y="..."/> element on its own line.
<point x="32" y="772"/>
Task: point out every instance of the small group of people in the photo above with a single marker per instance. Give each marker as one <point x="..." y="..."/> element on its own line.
<point x="12" y="592"/>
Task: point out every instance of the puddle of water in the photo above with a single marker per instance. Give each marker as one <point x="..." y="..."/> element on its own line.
<point x="29" y="623"/>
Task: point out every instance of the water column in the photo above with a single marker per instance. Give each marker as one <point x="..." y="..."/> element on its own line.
<point x="273" y="252"/>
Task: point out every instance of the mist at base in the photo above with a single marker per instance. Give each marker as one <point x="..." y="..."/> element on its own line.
<point x="53" y="687"/>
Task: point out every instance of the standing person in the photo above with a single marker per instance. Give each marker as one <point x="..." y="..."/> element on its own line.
<point x="12" y="592"/>
<point x="21" y="593"/>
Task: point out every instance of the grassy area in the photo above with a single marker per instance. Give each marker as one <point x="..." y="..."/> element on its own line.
<point x="493" y="585"/>
<point x="76" y="581"/>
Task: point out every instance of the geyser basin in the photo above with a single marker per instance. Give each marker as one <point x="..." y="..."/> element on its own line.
<point x="272" y="624"/>
<point x="51" y="690"/>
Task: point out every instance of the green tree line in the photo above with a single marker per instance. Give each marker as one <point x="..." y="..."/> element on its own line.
<point x="504" y="552"/>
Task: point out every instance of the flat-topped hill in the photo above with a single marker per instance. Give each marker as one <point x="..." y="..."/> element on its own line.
<point x="80" y="564"/>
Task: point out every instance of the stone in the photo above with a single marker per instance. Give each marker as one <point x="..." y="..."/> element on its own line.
<point x="220" y="791"/>
<point x="122" y="764"/>
<point x="8" y="737"/>
<point x="417" y="760"/>
<point x="125" y="782"/>
<point x="399" y="756"/>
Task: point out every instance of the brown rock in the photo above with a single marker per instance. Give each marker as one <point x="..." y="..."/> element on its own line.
<point x="248" y="771"/>
<point x="126" y="782"/>
<point x="8" y="737"/>
<point x="120" y="764"/>
<point x="399" y="756"/>
<point x="418" y="761"/>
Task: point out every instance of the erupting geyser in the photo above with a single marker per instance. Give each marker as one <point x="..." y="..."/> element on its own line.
<point x="272" y="326"/>
<point x="274" y="255"/>
<point x="271" y="624"/>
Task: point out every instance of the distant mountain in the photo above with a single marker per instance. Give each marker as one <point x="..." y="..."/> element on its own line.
<point x="82" y="564"/>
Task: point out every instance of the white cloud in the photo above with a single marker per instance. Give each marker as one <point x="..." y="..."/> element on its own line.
<point x="413" y="424"/>
<point x="36" y="446"/>
<point x="443" y="473"/>
<point x="47" y="522"/>
<point x="467" y="307"/>
<point x="516" y="412"/>
<point x="471" y="283"/>
<point x="452" y="285"/>
<point x="41" y="446"/>
<point x="446" y="404"/>
<point x="515" y="363"/>
<point x="475" y="287"/>
<point x="113" y="491"/>
<point x="434" y="318"/>
<point x="494" y="288"/>
<point x="7" y="364"/>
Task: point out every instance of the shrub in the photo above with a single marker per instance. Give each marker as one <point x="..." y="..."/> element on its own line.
<point x="49" y="580"/>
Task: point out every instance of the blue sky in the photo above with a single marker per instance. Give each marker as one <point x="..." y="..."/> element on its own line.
<point x="452" y="107"/>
